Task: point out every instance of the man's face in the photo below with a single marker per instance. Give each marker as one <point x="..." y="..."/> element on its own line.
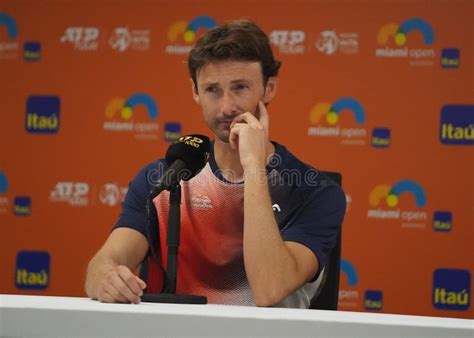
<point x="230" y="88"/>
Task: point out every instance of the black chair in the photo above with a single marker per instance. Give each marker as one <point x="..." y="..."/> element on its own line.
<point x="328" y="296"/>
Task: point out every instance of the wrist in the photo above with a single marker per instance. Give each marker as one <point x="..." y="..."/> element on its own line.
<point x="254" y="167"/>
<point x="255" y="173"/>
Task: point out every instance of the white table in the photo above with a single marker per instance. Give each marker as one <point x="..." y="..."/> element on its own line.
<point x="64" y="316"/>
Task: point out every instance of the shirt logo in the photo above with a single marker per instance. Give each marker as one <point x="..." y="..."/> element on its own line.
<point x="201" y="202"/>
<point x="276" y="207"/>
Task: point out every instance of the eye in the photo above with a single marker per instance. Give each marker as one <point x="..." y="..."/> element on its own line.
<point x="211" y="89"/>
<point x="240" y="86"/>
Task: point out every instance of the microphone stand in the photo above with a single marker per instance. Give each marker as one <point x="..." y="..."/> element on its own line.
<point x="172" y="242"/>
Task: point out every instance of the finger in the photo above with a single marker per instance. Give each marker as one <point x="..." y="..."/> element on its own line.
<point x="104" y="297"/>
<point x="130" y="279"/>
<point x="115" y="294"/>
<point x="120" y="290"/>
<point x="141" y="283"/>
<point x="245" y="118"/>
<point x="264" y="119"/>
<point x="234" y="136"/>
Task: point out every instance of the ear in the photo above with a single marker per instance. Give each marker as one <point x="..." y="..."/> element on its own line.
<point x="270" y="89"/>
<point x="195" y="91"/>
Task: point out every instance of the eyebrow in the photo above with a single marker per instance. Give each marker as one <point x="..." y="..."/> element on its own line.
<point x="211" y="84"/>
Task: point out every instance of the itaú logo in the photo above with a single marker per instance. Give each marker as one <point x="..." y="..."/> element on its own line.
<point x="32" y="270"/>
<point x="457" y="125"/>
<point x="451" y="289"/>
<point x="42" y="114"/>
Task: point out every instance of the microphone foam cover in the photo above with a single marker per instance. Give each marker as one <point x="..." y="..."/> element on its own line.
<point x="193" y="150"/>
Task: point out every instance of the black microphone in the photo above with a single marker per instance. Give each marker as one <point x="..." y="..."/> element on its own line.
<point x="185" y="157"/>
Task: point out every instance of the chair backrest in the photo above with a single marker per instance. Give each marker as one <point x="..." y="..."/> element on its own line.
<point x="328" y="296"/>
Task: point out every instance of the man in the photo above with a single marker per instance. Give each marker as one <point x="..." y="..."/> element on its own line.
<point x="257" y="227"/>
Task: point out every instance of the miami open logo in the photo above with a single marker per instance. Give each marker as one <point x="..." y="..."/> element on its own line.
<point x="183" y="34"/>
<point x="394" y="38"/>
<point x="385" y="201"/>
<point x="325" y="118"/>
<point x="3" y="192"/>
<point x="348" y="297"/>
<point x="120" y="116"/>
<point x="8" y="43"/>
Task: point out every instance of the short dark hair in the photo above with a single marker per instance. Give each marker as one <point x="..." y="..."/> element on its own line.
<point x="239" y="40"/>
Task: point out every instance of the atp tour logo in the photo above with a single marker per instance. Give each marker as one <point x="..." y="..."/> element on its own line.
<point x="288" y="42"/>
<point x="451" y="289"/>
<point x="393" y="34"/>
<point x="390" y="197"/>
<point x="72" y="193"/>
<point x="349" y="297"/>
<point x="22" y="206"/>
<point x="42" y="114"/>
<point x="325" y="117"/>
<point x="120" y="116"/>
<point x="457" y="125"/>
<point x="183" y="34"/>
<point x="82" y="38"/>
<point x="32" y="270"/>
<point x="8" y="46"/>
<point x="3" y="192"/>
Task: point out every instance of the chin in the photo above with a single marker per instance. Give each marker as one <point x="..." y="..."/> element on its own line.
<point x="221" y="134"/>
<point x="223" y="138"/>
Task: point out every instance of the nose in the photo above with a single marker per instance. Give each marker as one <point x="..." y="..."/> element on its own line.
<point x="228" y="104"/>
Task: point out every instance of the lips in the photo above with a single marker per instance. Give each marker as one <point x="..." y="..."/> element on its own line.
<point x="225" y="123"/>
